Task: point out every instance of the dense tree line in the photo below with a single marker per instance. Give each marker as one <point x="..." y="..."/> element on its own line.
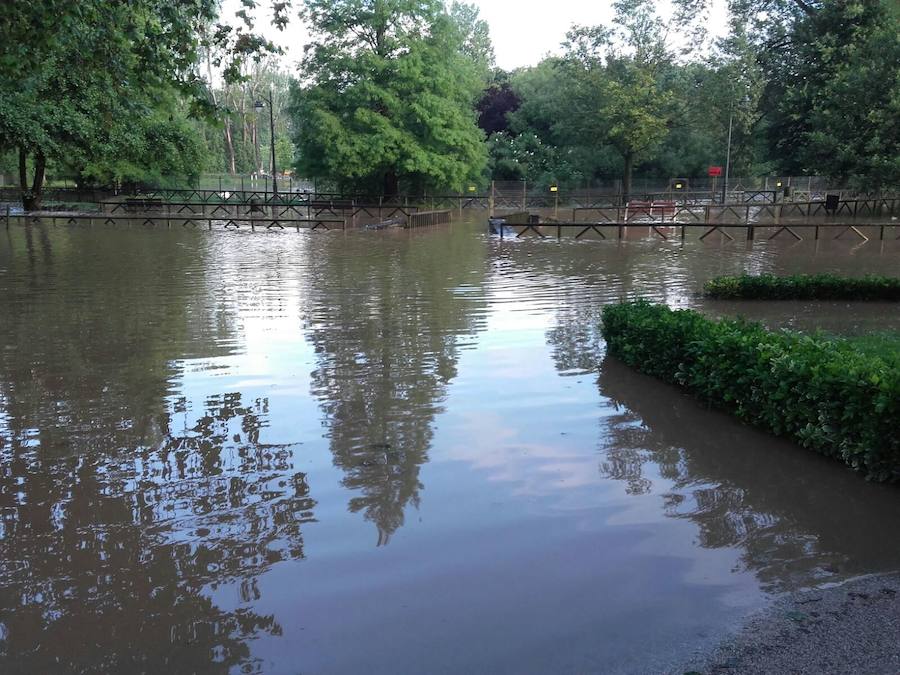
<point x="402" y="95"/>
<point x="809" y="88"/>
<point x="106" y="91"/>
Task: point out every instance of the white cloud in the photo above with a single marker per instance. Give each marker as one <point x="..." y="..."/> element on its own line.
<point x="523" y="31"/>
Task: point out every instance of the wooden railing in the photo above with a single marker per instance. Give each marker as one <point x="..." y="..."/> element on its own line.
<point x="158" y="220"/>
<point x="426" y="218"/>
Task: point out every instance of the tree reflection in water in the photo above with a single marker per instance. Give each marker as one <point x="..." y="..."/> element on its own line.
<point x="796" y="517"/>
<point x="105" y="559"/>
<point x="386" y="329"/>
<point x="120" y="509"/>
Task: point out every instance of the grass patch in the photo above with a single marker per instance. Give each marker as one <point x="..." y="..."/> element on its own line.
<point x="884" y="345"/>
<point x="803" y="287"/>
<point x="836" y="396"/>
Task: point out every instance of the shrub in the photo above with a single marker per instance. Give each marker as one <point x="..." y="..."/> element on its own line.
<point x="822" y="392"/>
<point x="803" y="287"/>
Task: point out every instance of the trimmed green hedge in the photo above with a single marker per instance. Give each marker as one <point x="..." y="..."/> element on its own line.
<point x="821" y="392"/>
<point x="803" y="287"/>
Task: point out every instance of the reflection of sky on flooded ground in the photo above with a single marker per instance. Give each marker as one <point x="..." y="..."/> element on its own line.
<point x="393" y="452"/>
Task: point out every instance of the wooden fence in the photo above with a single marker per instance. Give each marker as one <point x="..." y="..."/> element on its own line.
<point x="192" y="221"/>
<point x="425" y="218"/>
<point x="667" y="229"/>
<point x="880" y="207"/>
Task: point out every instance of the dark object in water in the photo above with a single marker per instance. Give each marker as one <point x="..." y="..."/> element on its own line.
<point x="385" y="224"/>
<point x="495" y="225"/>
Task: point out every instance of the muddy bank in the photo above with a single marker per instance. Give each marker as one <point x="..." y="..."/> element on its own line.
<point x="851" y="628"/>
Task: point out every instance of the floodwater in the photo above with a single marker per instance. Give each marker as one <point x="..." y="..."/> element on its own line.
<point x="393" y="452"/>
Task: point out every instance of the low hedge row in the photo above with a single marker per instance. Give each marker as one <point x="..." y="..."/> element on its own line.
<point x="803" y="287"/>
<point x="822" y="392"/>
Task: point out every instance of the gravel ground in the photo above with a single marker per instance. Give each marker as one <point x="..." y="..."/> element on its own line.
<point x="853" y="628"/>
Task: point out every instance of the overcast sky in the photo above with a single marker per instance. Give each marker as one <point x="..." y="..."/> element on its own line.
<point x="523" y="31"/>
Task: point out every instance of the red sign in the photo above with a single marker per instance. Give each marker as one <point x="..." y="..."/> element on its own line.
<point x="715" y="171"/>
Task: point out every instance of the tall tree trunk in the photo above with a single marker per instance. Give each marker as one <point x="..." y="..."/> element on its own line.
<point x="380" y="20"/>
<point x="626" y="177"/>
<point x="256" y="152"/>
<point x="31" y="197"/>
<point x="391" y="183"/>
<point x="23" y="174"/>
<point x="229" y="146"/>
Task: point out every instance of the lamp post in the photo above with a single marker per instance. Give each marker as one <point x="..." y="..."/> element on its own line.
<point x="259" y="105"/>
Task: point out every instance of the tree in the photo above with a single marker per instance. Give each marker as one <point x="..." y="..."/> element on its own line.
<point x="389" y="96"/>
<point x="523" y="157"/>
<point x="238" y="136"/>
<point x="147" y="150"/>
<point x="547" y="140"/>
<point x="542" y="109"/>
<point x="495" y="104"/>
<point x="706" y="96"/>
<point x="475" y="35"/>
<point x="619" y="94"/>
<point x="833" y="100"/>
<point x="79" y="76"/>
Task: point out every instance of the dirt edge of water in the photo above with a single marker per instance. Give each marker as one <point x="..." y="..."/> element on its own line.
<point x="849" y="628"/>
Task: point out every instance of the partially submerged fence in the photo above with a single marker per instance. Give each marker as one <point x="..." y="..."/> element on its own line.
<point x="168" y="221"/>
<point x="875" y="207"/>
<point x="425" y="218"/>
<point x="667" y="229"/>
<point x="354" y="213"/>
<point x="668" y="219"/>
<point x="226" y="216"/>
<point x="514" y="196"/>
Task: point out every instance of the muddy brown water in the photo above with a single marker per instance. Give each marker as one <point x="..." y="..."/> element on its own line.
<point x="394" y="452"/>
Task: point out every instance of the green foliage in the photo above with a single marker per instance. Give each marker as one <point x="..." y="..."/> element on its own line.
<point x="92" y="85"/>
<point x="885" y="345"/>
<point x="809" y="87"/>
<point x="628" y="95"/>
<point x="826" y="394"/>
<point x="152" y="150"/>
<point x="525" y="157"/>
<point x="475" y="36"/>
<point x="390" y="95"/>
<point x="607" y="105"/>
<point x="619" y="94"/>
<point x="390" y="91"/>
<point x="238" y="139"/>
<point x="284" y="153"/>
<point x="803" y="287"/>
<point x="543" y="102"/>
<point x="834" y="97"/>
